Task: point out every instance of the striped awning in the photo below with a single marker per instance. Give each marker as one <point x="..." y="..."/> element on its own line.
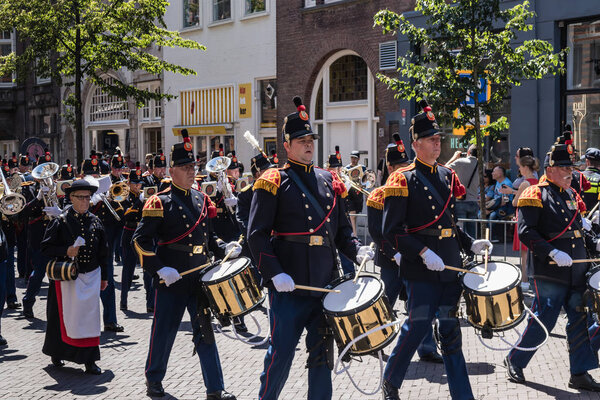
<point x="207" y="106"/>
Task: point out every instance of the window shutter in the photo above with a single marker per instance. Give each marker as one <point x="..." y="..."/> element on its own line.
<point x="388" y="55"/>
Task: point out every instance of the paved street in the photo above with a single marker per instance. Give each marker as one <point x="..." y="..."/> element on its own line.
<point x="27" y="374"/>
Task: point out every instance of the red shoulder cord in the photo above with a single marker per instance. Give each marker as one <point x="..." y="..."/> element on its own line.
<point x="178" y="238"/>
<point x="567" y="227"/>
<point x="413" y="230"/>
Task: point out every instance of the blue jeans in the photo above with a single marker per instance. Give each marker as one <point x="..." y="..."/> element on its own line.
<point x="468" y="209"/>
<point x="550" y="298"/>
<point x="426" y="301"/>
<point x="35" y="279"/>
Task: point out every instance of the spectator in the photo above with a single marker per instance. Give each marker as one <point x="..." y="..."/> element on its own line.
<point x="502" y="206"/>
<point x="128" y="163"/>
<point x="522" y="152"/>
<point x="466" y="169"/>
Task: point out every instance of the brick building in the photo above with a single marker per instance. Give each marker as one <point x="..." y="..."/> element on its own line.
<point x="329" y="54"/>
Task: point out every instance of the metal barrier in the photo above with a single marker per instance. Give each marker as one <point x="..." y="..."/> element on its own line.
<point x="504" y="223"/>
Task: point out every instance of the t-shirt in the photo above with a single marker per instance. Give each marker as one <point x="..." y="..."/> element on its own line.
<point x="464" y="169"/>
<point x="498" y="186"/>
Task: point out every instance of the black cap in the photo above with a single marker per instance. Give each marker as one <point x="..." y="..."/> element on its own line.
<point x="117" y="159"/>
<point x="297" y="124"/>
<point x="83" y="184"/>
<point x="218" y="153"/>
<point x="592" y="154"/>
<point x="355" y="153"/>
<point x="66" y="171"/>
<point x="395" y="153"/>
<point x="423" y="124"/>
<point x="13" y="161"/>
<point x="44" y="158"/>
<point x="135" y="175"/>
<point x="560" y="155"/>
<point x="260" y="163"/>
<point x="24" y="160"/>
<point x="160" y="160"/>
<point x="181" y="153"/>
<point x="91" y="166"/>
<point x="335" y="159"/>
<point x="234" y="161"/>
<point x="5" y="168"/>
<point x="273" y="158"/>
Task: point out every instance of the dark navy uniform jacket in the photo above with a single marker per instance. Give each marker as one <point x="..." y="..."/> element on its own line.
<point x="384" y="254"/>
<point x="242" y="215"/>
<point x="166" y="223"/>
<point x="545" y="211"/>
<point x="590" y="196"/>
<point x="33" y="215"/>
<point x="409" y="211"/>
<point x="133" y="214"/>
<point x="280" y="207"/>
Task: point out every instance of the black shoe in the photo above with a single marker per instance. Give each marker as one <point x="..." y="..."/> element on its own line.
<point x="123" y="307"/>
<point x="150" y="309"/>
<point x="220" y="395"/>
<point x="114" y="327"/>
<point x="514" y="373"/>
<point x="28" y="313"/>
<point x="154" y="389"/>
<point x="57" y="362"/>
<point x="13" y="305"/>
<point x="135" y="276"/>
<point x="3" y="341"/>
<point x="389" y="392"/>
<point x="240" y="327"/>
<point x="432" y="357"/>
<point x="92" y="369"/>
<point x="584" y="382"/>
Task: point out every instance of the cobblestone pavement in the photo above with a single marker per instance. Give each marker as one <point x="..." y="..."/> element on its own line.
<point x="25" y="373"/>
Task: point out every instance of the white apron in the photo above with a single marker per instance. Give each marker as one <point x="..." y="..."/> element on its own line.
<point x="81" y="305"/>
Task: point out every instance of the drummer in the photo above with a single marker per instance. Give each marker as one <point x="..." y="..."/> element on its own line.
<point x="178" y="221"/>
<point x="385" y="255"/>
<point x="419" y="222"/>
<point x="300" y="251"/>
<point x="550" y="224"/>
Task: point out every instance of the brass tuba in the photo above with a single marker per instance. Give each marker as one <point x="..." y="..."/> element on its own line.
<point x="217" y="166"/>
<point x="44" y="173"/>
<point x="11" y="203"/>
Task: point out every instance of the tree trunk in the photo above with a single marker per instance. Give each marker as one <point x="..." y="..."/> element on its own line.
<point x="480" y="164"/>
<point x="78" y="82"/>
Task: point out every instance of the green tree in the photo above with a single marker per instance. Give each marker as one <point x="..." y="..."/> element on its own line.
<point x="76" y="40"/>
<point x="468" y="35"/>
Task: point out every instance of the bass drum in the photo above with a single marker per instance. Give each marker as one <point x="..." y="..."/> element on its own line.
<point x="358" y="308"/>
<point x="232" y="288"/>
<point x="494" y="301"/>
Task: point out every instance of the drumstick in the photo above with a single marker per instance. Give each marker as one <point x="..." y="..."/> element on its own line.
<point x="316" y="289"/>
<point x="240" y="240"/>
<point x="583" y="260"/>
<point x="464" y="270"/>
<point x="362" y="264"/>
<point x="487" y="249"/>
<point x="189" y="271"/>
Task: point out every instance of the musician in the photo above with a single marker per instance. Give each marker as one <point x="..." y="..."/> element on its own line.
<point x="419" y="222"/>
<point x="9" y="226"/>
<point x="4" y="272"/>
<point x="592" y="174"/>
<point x="300" y="250"/>
<point x="20" y="226"/>
<point x="117" y="163"/>
<point x="25" y="167"/>
<point x="157" y="168"/>
<point x="233" y="170"/>
<point x="385" y="255"/>
<point x="132" y="217"/>
<point x="273" y="159"/>
<point x="355" y="198"/>
<point x="73" y="329"/>
<point x="65" y="173"/>
<point x="550" y="225"/>
<point x="579" y="182"/>
<point x="178" y="219"/>
<point x="225" y="224"/>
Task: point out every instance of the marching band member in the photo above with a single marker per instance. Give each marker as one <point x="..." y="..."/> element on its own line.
<point x="355" y="198"/>
<point x="419" y="222"/>
<point x="65" y="173"/>
<point x="25" y="167"/>
<point x="20" y="225"/>
<point x="117" y="163"/>
<point x="550" y="225"/>
<point x="592" y="174"/>
<point x="9" y="226"/>
<point x="73" y="309"/>
<point x="385" y="255"/>
<point x="173" y="237"/>
<point x="294" y="241"/>
<point x="225" y="224"/>
<point x="157" y="169"/>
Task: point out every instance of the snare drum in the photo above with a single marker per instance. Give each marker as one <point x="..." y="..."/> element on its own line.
<point x="358" y="308"/>
<point x="494" y="301"/>
<point x="593" y="292"/>
<point x="232" y="288"/>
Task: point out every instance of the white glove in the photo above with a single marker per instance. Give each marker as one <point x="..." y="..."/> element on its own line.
<point x="96" y="198"/>
<point x="169" y="275"/>
<point x="142" y="198"/>
<point x="432" y="261"/>
<point x="598" y="245"/>
<point x="283" y="282"/>
<point x="594" y="217"/>
<point x="561" y="258"/>
<point x="398" y="258"/>
<point x="234" y="247"/>
<point x="53" y="211"/>
<point x="232" y="202"/>
<point x="364" y="252"/>
<point x="79" y="242"/>
<point x="587" y="224"/>
<point x="43" y="190"/>
<point x="479" y="246"/>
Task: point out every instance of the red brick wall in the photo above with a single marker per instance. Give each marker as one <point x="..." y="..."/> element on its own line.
<point x="306" y="37"/>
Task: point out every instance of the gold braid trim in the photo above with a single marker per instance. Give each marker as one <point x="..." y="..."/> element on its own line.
<point x="531" y="197"/>
<point x="530" y="203"/>
<point x="266" y="185"/>
<point x="374" y="204"/>
<point x="396" y="185"/>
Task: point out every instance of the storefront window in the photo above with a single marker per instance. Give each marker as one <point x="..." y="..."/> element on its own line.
<point x="583" y="62"/>
<point x="583" y="112"/>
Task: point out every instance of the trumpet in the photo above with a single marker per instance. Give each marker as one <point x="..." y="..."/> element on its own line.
<point x="350" y="184"/>
<point x="44" y="173"/>
<point x="11" y="203"/>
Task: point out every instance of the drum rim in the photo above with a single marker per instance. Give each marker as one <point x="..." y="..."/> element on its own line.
<point x="226" y="277"/>
<point x="494" y="292"/>
<point x="589" y="274"/>
<point x="381" y="294"/>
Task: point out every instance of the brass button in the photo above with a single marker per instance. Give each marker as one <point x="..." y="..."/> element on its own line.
<point x="184" y="216"/>
<point x="187" y="225"/>
<point x="328" y="219"/>
<point x="309" y="218"/>
<point x="433" y="207"/>
<point x="439" y="227"/>
<point x="181" y="208"/>
<point x="435" y="216"/>
<point x="328" y="207"/>
<point x="303" y="195"/>
<point x="190" y="235"/>
<point x="425" y="188"/>
<point x="306" y="205"/>
<point x="573" y="245"/>
<point x="439" y="237"/>
<point x="189" y="244"/>
<point x="203" y="224"/>
<point x="311" y="230"/>
<point x="191" y="254"/>
<point x="327" y="194"/>
<point x="429" y="197"/>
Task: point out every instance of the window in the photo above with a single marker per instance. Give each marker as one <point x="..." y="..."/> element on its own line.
<point x="221" y="10"/>
<point x="255" y="6"/>
<point x="157" y="106"/>
<point x="152" y="109"/>
<point x="106" y="107"/>
<point x="348" y="79"/>
<point x="153" y="140"/>
<point x="388" y="55"/>
<point x="583" y="61"/>
<point x="310" y="3"/>
<point x="268" y="103"/>
<point x="191" y="13"/>
<point x="6" y="47"/>
<point x="270" y="143"/>
<point x="41" y="78"/>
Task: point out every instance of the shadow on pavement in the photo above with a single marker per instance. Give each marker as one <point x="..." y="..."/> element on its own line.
<point x="6" y="355"/>
<point x="137" y="315"/>
<point x="552" y="391"/>
<point x="113" y="339"/>
<point x="75" y="381"/>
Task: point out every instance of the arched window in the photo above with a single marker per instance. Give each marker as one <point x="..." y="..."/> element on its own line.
<point x="106" y="107"/>
<point x="348" y="79"/>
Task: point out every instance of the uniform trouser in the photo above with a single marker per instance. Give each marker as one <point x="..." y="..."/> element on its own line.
<point x="109" y="314"/>
<point x="550" y="297"/>
<point x="22" y="253"/>
<point x="129" y="258"/>
<point x="290" y="314"/>
<point x="426" y="301"/>
<point x="11" y="289"/>
<point x="34" y="283"/>
<point x="393" y="287"/>
<point x="118" y="248"/>
<point x="169" y="306"/>
<point x="3" y="272"/>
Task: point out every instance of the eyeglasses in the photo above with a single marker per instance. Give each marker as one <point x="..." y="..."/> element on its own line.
<point x="82" y="197"/>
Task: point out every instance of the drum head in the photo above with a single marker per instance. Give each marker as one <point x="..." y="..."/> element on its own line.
<point x="594" y="280"/>
<point x="500" y="276"/>
<point x="353" y="295"/>
<point x="225" y="270"/>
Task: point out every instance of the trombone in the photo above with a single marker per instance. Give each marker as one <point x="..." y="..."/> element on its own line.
<point x="350" y="183"/>
<point x="11" y="203"/>
<point x="103" y="183"/>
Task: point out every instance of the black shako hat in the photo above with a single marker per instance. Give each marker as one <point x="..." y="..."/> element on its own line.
<point x="117" y="159"/>
<point x="234" y="161"/>
<point x="218" y="153"/>
<point x="561" y="152"/>
<point x="423" y="124"/>
<point x="91" y="166"/>
<point x="87" y="183"/>
<point x="273" y="158"/>
<point x="159" y="160"/>
<point x="181" y="153"/>
<point x="135" y="175"/>
<point x="66" y="171"/>
<point x="335" y="159"/>
<point x="13" y="162"/>
<point x="395" y="153"/>
<point x="44" y="158"/>
<point x="260" y="163"/>
<point x="24" y="160"/>
<point x="297" y="124"/>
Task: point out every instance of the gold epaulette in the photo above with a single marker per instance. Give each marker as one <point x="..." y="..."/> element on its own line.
<point x="165" y="180"/>
<point x="131" y="210"/>
<point x="531" y="197"/>
<point x="375" y="199"/>
<point x="396" y="185"/>
<point x="269" y="181"/>
<point x="27" y="183"/>
<point x="245" y="188"/>
<point x="153" y="207"/>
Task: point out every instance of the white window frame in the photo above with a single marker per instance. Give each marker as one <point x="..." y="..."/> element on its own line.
<point x="151" y="111"/>
<point x="246" y="15"/>
<point x="213" y="20"/>
<point x="310" y="3"/>
<point x="200" y="17"/>
<point x="42" y="81"/>
<point x="104" y="105"/>
<point x="10" y="41"/>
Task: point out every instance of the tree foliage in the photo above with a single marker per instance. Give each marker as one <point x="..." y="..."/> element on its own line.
<point x="76" y="40"/>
